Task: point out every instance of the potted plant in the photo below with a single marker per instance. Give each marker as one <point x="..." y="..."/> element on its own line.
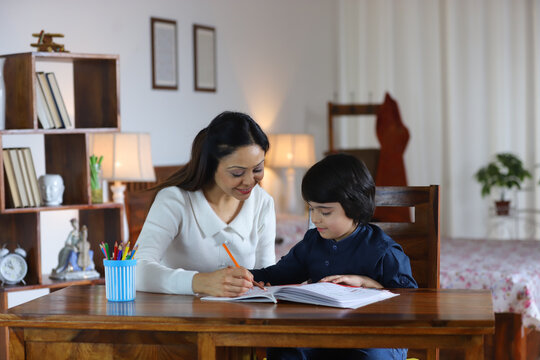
<point x="505" y="172"/>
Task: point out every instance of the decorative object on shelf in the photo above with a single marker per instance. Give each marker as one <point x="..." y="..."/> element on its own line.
<point x="96" y="179"/>
<point x="75" y="259"/>
<point x="52" y="189"/>
<point x="164" y="54"/>
<point x="504" y="173"/>
<point x="291" y="151"/>
<point x="2" y="95"/>
<point x="45" y="42"/>
<point x="13" y="267"/>
<point x="204" y="58"/>
<point x="126" y="157"/>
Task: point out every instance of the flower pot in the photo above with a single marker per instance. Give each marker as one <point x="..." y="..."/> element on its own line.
<point x="502" y="208"/>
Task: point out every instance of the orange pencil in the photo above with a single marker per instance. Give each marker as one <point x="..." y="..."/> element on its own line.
<point x="235" y="263"/>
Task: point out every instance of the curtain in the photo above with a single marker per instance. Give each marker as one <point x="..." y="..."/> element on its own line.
<point x="465" y="74"/>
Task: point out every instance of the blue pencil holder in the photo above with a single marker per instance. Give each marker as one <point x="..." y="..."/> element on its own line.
<point x="120" y="279"/>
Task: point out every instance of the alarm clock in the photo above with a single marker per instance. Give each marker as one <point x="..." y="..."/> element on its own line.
<point x="13" y="267"/>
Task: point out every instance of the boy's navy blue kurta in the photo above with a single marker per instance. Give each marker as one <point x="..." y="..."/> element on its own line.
<point x="368" y="251"/>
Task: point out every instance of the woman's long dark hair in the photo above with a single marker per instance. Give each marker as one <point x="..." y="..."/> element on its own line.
<point x="226" y="133"/>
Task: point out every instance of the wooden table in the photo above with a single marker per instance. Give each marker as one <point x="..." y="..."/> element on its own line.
<point x="79" y="322"/>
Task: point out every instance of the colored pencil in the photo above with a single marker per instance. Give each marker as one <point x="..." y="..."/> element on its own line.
<point x="235" y="263"/>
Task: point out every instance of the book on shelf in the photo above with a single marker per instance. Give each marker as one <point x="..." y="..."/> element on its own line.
<point x="26" y="177"/>
<point x="31" y="170"/>
<point x="17" y="170"/>
<point x="326" y="294"/>
<point x="13" y="193"/>
<point x="59" y="100"/>
<point x="43" y="112"/>
<point x="49" y="99"/>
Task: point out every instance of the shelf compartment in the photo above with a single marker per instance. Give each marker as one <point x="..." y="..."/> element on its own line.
<point x="23" y="230"/>
<point x="19" y="84"/>
<point x="66" y="155"/>
<point x="95" y="88"/>
<point x="96" y="93"/>
<point x="103" y="225"/>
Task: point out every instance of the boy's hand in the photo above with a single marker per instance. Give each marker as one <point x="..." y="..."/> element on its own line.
<point x="263" y="284"/>
<point x="352" y="280"/>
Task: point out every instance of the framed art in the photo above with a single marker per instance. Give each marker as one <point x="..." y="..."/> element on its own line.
<point x="204" y="52"/>
<point x="164" y="54"/>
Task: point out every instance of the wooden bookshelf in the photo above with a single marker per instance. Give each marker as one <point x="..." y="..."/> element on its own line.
<point x="96" y="109"/>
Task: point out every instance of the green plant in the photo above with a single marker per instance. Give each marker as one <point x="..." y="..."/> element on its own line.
<point x="95" y="168"/>
<point x="505" y="172"/>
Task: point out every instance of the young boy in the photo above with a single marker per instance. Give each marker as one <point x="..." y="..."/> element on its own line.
<point x="344" y="248"/>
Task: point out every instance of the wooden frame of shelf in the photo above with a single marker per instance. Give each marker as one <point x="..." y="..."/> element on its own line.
<point x="95" y="84"/>
<point x="96" y="108"/>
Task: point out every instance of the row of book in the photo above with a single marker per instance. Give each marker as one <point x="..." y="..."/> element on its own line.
<point x="20" y="174"/>
<point x="51" y="109"/>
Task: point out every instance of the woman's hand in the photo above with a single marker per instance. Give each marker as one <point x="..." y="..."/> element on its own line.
<point x="229" y="282"/>
<point x="352" y="280"/>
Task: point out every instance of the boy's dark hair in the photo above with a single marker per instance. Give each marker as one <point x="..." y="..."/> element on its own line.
<point x="226" y="133"/>
<point x="344" y="179"/>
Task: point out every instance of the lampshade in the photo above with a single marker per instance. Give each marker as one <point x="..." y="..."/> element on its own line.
<point x="291" y="151"/>
<point x="126" y="156"/>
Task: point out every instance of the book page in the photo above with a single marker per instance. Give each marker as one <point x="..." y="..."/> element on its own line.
<point x="255" y="294"/>
<point x="330" y="294"/>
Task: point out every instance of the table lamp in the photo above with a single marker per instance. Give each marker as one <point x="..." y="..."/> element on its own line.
<point x="126" y="157"/>
<point x="291" y="151"/>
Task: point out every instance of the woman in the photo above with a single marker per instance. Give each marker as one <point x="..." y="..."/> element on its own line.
<point x="211" y="200"/>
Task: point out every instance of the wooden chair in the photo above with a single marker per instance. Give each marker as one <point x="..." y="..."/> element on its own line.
<point x="419" y="238"/>
<point x="386" y="163"/>
<point x="138" y="200"/>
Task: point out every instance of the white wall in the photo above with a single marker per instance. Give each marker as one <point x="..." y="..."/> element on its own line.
<point x="275" y="60"/>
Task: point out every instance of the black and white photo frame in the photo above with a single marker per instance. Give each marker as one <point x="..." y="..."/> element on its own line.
<point x="164" y="54"/>
<point x="204" y="58"/>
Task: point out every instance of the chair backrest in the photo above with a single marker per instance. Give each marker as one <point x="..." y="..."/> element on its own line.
<point x="138" y="200"/>
<point x="419" y="238"/>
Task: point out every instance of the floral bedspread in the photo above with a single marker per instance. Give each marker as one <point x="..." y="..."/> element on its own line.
<point x="509" y="268"/>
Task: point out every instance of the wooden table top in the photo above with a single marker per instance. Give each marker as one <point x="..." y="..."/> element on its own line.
<point x="413" y="311"/>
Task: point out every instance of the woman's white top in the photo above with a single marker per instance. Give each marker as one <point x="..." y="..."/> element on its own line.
<point x="182" y="235"/>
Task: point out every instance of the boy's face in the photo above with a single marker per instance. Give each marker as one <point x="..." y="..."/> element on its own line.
<point x="330" y="220"/>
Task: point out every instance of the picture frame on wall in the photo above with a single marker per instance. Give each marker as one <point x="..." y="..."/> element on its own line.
<point x="204" y="52"/>
<point x="164" y="54"/>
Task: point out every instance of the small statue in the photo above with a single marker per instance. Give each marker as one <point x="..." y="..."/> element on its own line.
<point x="69" y="247"/>
<point x="45" y="42"/>
<point x="75" y="258"/>
<point x="83" y="245"/>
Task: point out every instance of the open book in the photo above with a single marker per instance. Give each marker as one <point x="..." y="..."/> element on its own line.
<point x="327" y="294"/>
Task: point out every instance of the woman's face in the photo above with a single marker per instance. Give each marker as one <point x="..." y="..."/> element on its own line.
<point x="239" y="172"/>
